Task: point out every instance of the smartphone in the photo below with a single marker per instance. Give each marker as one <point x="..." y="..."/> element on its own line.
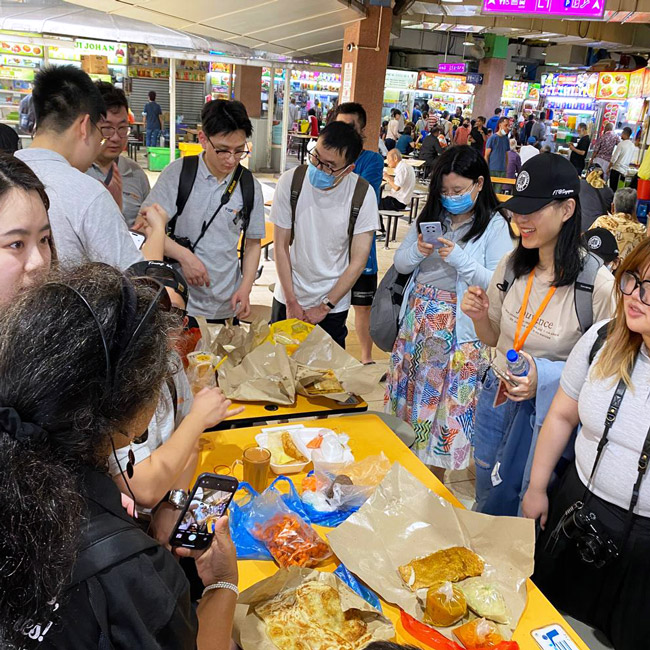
<point x="208" y="501"/>
<point x="431" y="230"/>
<point x="502" y="375"/>
<point x="139" y="238"/>
<point x="553" y="637"/>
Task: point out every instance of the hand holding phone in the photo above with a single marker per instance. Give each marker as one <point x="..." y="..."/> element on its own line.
<point x="431" y="231"/>
<point x="139" y="238"/>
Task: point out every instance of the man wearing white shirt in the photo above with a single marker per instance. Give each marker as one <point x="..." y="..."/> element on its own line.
<point x="528" y="150"/>
<point x="294" y="113"/>
<point x="622" y="156"/>
<point x="401" y="185"/>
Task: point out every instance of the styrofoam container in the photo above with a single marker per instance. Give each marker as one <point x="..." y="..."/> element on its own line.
<point x="296" y="432"/>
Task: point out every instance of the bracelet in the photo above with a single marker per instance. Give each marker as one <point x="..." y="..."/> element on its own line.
<point x="221" y="585"/>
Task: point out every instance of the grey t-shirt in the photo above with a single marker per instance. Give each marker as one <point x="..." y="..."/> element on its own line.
<point x="135" y="186"/>
<point x="86" y="223"/>
<point x="617" y="469"/>
<point x="218" y="248"/>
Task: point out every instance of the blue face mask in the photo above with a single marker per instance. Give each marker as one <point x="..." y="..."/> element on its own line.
<point x="458" y="204"/>
<point x="319" y="179"/>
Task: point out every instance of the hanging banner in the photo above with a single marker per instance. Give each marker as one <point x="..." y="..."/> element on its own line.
<point x="637" y="79"/>
<point x="346" y="86"/>
<point x="444" y="83"/>
<point x="116" y="53"/>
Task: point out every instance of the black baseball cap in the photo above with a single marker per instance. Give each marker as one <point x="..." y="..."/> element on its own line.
<point x="165" y="273"/>
<point x="601" y="242"/>
<point x="543" y="178"/>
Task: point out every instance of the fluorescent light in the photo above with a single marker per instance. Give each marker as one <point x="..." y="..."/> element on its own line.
<point x="452" y="1"/>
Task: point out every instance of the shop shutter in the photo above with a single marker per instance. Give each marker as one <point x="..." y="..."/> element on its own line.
<point x="190" y="97"/>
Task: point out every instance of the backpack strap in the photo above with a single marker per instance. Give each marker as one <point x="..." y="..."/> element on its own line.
<point x="248" y="201"/>
<point x="360" y="190"/>
<point x="97" y="599"/>
<point x="584" y="290"/>
<point x="508" y="277"/>
<point x="600" y="341"/>
<point x="296" y="186"/>
<point x="185" y="184"/>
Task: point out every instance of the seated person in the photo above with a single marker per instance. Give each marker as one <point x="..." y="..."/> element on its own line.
<point x="595" y="196"/>
<point x="405" y="143"/>
<point x="401" y="185"/>
<point x="430" y="150"/>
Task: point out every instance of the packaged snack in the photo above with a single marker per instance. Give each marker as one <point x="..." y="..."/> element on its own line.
<point x="479" y="633"/>
<point x="445" y="605"/>
<point x="485" y="600"/>
<point x="451" y="564"/>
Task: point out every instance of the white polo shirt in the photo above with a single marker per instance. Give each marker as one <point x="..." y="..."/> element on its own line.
<point x="405" y="180"/>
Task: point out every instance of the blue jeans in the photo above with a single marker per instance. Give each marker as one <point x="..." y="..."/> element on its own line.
<point x="490" y="428"/>
<point x="152" y="138"/>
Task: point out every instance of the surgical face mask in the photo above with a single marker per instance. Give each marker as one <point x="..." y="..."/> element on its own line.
<point x="322" y="180"/>
<point x="502" y="132"/>
<point x="459" y="204"/>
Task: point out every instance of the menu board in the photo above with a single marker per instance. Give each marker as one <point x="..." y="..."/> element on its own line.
<point x="637" y="79"/>
<point x="513" y="90"/>
<point x="613" y="85"/>
<point x="23" y="49"/>
<point x="24" y="74"/>
<point x="569" y="85"/>
<point x="22" y="61"/>
<point x="443" y="83"/>
<point x="533" y="92"/>
<point x="610" y="114"/>
<point x="401" y="79"/>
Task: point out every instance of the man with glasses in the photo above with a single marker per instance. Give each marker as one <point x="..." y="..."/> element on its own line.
<point x="209" y="229"/>
<point x="123" y="177"/>
<point x="86" y="222"/>
<point x="321" y="253"/>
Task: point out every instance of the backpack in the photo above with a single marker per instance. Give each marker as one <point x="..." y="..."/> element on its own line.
<point x="600" y="340"/>
<point x="186" y="183"/>
<point x="583" y="288"/>
<point x="357" y="201"/>
<point x="386" y="307"/>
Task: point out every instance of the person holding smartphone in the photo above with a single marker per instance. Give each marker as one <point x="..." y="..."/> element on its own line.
<point x="435" y="365"/>
<point x="80" y="377"/>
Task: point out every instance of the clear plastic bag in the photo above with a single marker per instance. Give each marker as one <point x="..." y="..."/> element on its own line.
<point x="248" y="548"/>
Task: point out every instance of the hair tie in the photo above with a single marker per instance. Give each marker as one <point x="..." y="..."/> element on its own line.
<point x="20" y="431"/>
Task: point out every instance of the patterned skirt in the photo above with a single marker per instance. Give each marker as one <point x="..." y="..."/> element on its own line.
<point x="433" y="380"/>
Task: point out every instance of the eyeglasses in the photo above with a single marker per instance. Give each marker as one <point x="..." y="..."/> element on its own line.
<point x="224" y="154"/>
<point x="630" y="281"/>
<point x="467" y="189"/>
<point x="109" y="131"/>
<point x="326" y="167"/>
<point x="100" y="132"/>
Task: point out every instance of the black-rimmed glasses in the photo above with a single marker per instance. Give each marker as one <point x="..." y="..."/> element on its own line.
<point x="326" y="167"/>
<point x="100" y="132"/>
<point x="630" y="281"/>
<point x="109" y="131"/>
<point x="225" y="154"/>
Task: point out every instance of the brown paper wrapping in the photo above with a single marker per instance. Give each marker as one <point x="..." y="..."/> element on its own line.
<point x="318" y="353"/>
<point x="250" y="630"/>
<point x="403" y="520"/>
<point x="232" y="341"/>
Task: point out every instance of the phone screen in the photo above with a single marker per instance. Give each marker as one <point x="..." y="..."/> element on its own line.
<point x="208" y="502"/>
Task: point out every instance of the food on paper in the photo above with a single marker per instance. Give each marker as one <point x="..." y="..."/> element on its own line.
<point x="451" y="564"/>
<point x="445" y="605"/>
<point x="291" y="541"/>
<point x="478" y="634"/>
<point x="311" y="616"/>
<point x="485" y="600"/>
<point x="328" y="383"/>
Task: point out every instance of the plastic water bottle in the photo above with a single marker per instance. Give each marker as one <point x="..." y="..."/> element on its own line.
<point x="517" y="363"/>
<point x="161" y="140"/>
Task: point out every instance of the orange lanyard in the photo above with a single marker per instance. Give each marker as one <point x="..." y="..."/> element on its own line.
<point x="520" y="340"/>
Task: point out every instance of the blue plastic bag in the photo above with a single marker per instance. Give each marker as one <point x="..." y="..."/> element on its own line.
<point x="292" y="498"/>
<point x="351" y="581"/>
<point x="248" y="548"/>
<point x="328" y="519"/>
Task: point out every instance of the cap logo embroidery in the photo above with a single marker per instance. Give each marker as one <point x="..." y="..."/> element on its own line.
<point x="594" y="242"/>
<point x="522" y="181"/>
<point x="562" y="191"/>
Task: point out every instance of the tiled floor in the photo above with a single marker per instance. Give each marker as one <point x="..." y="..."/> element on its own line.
<point x="461" y="483"/>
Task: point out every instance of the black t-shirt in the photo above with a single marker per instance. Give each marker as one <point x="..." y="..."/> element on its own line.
<point x="147" y="595"/>
<point x="594" y="203"/>
<point x="577" y="160"/>
<point x="478" y="140"/>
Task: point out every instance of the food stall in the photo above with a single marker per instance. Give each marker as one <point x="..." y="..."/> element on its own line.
<point x="116" y="56"/>
<point x="399" y="92"/>
<point x="513" y="95"/>
<point x="18" y="65"/>
<point x="444" y="92"/>
<point x="221" y="80"/>
<point x="636" y="105"/>
<point x="611" y="96"/>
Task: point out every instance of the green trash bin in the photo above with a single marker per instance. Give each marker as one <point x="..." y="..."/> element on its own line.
<point x="159" y="158"/>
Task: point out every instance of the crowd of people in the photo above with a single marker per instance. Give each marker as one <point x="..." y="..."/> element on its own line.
<point x="100" y="276"/>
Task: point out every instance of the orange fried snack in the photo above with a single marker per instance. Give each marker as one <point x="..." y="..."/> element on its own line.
<point x="449" y="565"/>
<point x="291" y="541"/>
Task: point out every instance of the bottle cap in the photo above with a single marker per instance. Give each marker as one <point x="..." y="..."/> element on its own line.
<point x="512" y="355"/>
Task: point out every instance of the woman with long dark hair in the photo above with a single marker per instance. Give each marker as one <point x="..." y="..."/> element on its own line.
<point x="606" y="590"/>
<point x="83" y="358"/>
<point x="530" y="307"/>
<point x="435" y="364"/>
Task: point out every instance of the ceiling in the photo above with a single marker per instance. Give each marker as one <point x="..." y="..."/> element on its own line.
<point x="624" y="28"/>
<point x="292" y="28"/>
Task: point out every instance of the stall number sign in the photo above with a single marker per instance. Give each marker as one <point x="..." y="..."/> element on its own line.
<point x="589" y="9"/>
<point x="116" y="53"/>
<point x="452" y="68"/>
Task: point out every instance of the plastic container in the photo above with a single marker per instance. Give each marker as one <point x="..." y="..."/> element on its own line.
<point x="159" y="158"/>
<point x="517" y="363"/>
<point x="643" y="190"/>
<point x="190" y="148"/>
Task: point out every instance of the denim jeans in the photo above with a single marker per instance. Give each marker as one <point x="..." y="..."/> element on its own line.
<point x="489" y="430"/>
<point x="152" y="138"/>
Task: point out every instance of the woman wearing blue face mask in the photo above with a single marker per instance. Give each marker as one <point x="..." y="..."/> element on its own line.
<point x="435" y="364"/>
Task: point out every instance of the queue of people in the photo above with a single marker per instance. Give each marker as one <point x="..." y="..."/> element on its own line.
<point x="97" y="422"/>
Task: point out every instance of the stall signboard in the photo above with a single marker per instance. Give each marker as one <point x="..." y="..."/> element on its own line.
<point x="613" y="85"/>
<point x="475" y="78"/>
<point x="514" y="90"/>
<point x="452" y="68"/>
<point x="569" y="85"/>
<point x="223" y="68"/>
<point x="21" y="61"/>
<point x="21" y="49"/>
<point x="533" y="92"/>
<point x="451" y="84"/>
<point x="584" y="9"/>
<point x="637" y="79"/>
<point x="401" y="79"/>
<point x="634" y="110"/>
<point x="116" y="53"/>
<point x="22" y="74"/>
<point x="610" y="115"/>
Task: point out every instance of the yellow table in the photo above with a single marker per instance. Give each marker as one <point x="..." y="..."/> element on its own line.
<point x="503" y="181"/>
<point x="368" y="436"/>
<point x="304" y="407"/>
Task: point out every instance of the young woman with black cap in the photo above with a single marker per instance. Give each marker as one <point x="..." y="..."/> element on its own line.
<point x="529" y="306"/>
<point x="593" y="563"/>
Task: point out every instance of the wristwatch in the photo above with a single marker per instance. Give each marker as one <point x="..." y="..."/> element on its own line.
<point x="327" y="303"/>
<point x="178" y="498"/>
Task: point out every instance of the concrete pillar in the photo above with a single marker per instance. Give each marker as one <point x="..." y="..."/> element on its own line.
<point x="364" y="67"/>
<point x="248" y="88"/>
<point x="493" y="68"/>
